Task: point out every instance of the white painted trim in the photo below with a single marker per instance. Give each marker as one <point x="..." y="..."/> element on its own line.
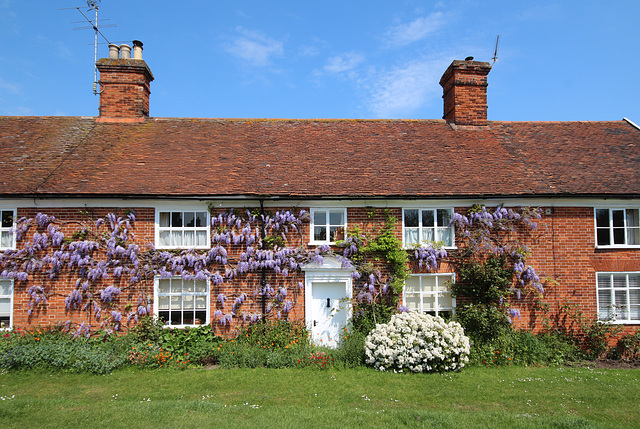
<point x="156" y="281"/>
<point x="13" y="235"/>
<point x="11" y="299"/>
<point x="435" y="209"/>
<point x="329" y="271"/>
<point x="181" y="209"/>
<point x="611" y="228"/>
<point x="615" y="322"/>
<point x="328" y="211"/>
<point x="439" y="289"/>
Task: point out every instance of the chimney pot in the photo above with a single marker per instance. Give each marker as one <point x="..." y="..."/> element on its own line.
<point x="126" y="51"/>
<point x="469" y="59"/>
<point x="125" y="86"/>
<point x="137" y="50"/>
<point x="114" y="51"/>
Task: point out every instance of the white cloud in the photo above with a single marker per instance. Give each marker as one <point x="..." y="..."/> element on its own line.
<point x="405" y="34"/>
<point x="402" y="90"/>
<point x="255" y="48"/>
<point x="343" y="63"/>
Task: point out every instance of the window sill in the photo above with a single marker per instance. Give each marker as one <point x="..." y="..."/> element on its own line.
<point x="620" y="322"/>
<point x="182" y="248"/>
<point x="617" y="247"/>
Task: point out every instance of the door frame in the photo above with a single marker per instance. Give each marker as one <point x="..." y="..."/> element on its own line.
<point x="329" y="271"/>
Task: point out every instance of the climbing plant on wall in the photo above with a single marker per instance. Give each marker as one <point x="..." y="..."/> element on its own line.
<point x="102" y="259"/>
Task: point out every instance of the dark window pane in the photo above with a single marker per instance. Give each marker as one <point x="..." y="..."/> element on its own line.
<point x="618" y="236"/>
<point x="320" y="233"/>
<point x="202" y="317"/>
<point x="176" y="219"/>
<point x="428" y="218"/>
<point x="603" y="237"/>
<point x="7" y="219"/>
<point x="444" y="217"/>
<point x="618" y="218"/>
<point x="189" y="219"/>
<point x="201" y="219"/>
<point x="163" y="315"/>
<point x="176" y="318"/>
<point x="411" y="218"/>
<point x="602" y="218"/>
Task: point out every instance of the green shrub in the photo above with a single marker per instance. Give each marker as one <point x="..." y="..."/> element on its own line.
<point x="482" y="323"/>
<point x="275" y="334"/>
<point x="350" y="351"/>
<point x="367" y="315"/>
<point x="518" y="347"/>
<point x="68" y="354"/>
<point x="628" y="346"/>
<point x="236" y="354"/>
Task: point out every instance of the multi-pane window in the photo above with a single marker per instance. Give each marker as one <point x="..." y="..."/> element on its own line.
<point x="427" y="225"/>
<point x="617" y="227"/>
<point x="182" y="302"/>
<point x="429" y="293"/>
<point x="6" y="304"/>
<point x="6" y="234"/>
<point x="619" y="297"/>
<point x="328" y="225"/>
<point x="183" y="229"/>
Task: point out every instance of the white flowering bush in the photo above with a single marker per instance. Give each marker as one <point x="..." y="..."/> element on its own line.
<point x="417" y="342"/>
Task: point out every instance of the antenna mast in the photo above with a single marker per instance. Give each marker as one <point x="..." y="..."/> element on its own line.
<point x="93" y="5"/>
<point x="495" y="51"/>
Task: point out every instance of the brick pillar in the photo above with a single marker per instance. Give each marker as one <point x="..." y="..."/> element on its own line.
<point x="464" y="87"/>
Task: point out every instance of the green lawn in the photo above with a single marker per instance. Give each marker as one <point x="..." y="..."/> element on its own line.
<point x="511" y="397"/>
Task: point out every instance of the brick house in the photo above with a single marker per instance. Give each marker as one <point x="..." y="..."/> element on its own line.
<point x="175" y="172"/>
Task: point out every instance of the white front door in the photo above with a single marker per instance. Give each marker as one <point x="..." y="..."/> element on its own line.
<point x="328" y="295"/>
<point x="329" y="306"/>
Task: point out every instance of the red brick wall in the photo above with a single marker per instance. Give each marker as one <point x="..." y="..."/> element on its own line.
<point x="125" y="88"/>
<point x="563" y="251"/>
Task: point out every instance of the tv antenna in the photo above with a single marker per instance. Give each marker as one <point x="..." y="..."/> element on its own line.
<point x="92" y="5"/>
<point x="495" y="51"/>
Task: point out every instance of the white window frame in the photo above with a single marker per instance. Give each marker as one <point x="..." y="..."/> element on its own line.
<point x="327" y="224"/>
<point x="8" y="229"/>
<point x="626" y="228"/>
<point x="157" y="295"/>
<point x="436" y="233"/>
<point x="10" y="298"/>
<point x="182" y="229"/>
<point x="616" y="311"/>
<point x="441" y="287"/>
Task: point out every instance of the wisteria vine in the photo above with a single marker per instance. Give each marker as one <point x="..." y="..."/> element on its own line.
<point x="105" y="260"/>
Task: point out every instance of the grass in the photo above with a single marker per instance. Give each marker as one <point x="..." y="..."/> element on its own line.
<point x="514" y="397"/>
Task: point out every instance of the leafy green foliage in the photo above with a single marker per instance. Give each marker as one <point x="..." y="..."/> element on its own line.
<point x="52" y="349"/>
<point x="629" y="346"/>
<point x="389" y="247"/>
<point x="367" y="315"/>
<point x="486" y="282"/>
<point x="482" y="322"/>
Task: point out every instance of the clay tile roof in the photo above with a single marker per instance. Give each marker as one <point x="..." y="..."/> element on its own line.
<point x="62" y="156"/>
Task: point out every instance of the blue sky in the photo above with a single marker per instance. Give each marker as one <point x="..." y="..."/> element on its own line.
<point x="558" y="60"/>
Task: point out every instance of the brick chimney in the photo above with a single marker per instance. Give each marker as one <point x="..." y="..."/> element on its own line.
<point x="464" y="87"/>
<point x="124" y="85"/>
